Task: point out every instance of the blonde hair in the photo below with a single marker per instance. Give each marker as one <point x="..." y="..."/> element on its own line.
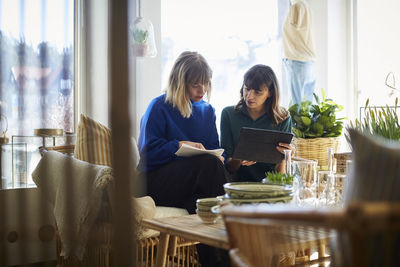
<point x="189" y="68"/>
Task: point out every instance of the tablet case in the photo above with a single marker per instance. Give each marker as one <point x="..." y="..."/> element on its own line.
<point x="260" y="145"/>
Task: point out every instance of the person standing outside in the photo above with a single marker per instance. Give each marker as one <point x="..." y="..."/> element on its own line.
<point x="299" y="52"/>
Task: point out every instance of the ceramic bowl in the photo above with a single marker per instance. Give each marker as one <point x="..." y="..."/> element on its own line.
<point x="205" y="204"/>
<point x="248" y="190"/>
<point x="207" y="216"/>
<point x="268" y="200"/>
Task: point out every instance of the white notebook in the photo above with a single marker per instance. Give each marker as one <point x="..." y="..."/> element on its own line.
<point x="188" y="151"/>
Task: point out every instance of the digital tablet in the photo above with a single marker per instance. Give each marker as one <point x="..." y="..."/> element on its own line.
<point x="260" y="145"/>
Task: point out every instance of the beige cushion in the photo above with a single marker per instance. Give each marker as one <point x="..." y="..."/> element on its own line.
<point x="375" y="171"/>
<point x="93" y="142"/>
<point x="169" y="212"/>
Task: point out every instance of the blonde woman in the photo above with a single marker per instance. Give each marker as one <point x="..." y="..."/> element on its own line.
<point x="182" y="116"/>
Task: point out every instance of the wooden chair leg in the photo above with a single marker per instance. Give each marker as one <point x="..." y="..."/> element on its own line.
<point x="162" y="250"/>
<point x="172" y="244"/>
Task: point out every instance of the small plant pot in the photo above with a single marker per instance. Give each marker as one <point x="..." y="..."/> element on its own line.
<point x="140" y="50"/>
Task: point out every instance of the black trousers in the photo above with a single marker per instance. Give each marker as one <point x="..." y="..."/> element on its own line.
<point x="181" y="182"/>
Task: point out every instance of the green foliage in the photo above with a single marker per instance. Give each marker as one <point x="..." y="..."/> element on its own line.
<point x="279" y="178"/>
<point x="316" y="120"/>
<point x="381" y="121"/>
<point x="140" y="36"/>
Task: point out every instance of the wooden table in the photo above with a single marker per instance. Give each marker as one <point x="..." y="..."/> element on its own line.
<point x="189" y="227"/>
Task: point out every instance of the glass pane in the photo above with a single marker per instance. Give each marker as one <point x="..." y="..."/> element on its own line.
<point x="378" y="52"/>
<point x="36" y="65"/>
<point x="232" y="35"/>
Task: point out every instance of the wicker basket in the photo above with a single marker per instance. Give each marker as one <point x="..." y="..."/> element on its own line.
<point x="316" y="148"/>
<point x="341" y="161"/>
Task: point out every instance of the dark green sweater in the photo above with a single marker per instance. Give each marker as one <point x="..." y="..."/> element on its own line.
<point x="231" y="122"/>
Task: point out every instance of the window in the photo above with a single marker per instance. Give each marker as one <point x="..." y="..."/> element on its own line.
<point x="378" y="45"/>
<point x="36" y="80"/>
<point x="231" y="35"/>
<point x="37" y="52"/>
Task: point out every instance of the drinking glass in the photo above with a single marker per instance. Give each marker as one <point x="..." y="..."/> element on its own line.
<point x="334" y="190"/>
<point x="331" y="158"/>
<point x="304" y="185"/>
<point x="288" y="161"/>
<point x="322" y="182"/>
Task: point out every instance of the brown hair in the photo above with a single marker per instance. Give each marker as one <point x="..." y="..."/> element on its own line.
<point x="254" y="78"/>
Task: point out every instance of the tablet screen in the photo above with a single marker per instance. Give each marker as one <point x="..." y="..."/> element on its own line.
<point x="260" y="145"/>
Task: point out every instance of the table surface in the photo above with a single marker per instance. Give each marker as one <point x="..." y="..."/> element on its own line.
<point x="191" y="227"/>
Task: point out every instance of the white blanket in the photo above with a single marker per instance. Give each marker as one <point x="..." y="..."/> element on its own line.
<point x="74" y="188"/>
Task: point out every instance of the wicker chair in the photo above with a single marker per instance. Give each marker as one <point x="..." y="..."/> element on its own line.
<point x="364" y="234"/>
<point x="99" y="249"/>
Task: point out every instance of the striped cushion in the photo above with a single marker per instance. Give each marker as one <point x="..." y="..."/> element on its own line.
<point x="93" y="142"/>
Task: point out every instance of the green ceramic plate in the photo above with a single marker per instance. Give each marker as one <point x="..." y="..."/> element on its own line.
<point x="252" y="190"/>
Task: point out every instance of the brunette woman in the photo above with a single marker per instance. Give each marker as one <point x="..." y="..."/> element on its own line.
<point x="258" y="108"/>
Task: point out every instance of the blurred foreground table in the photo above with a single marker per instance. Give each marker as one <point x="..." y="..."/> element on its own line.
<point x="190" y="227"/>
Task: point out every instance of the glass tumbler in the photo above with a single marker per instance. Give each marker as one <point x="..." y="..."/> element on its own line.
<point x="334" y="190"/>
<point x="322" y="182"/>
<point x="306" y="180"/>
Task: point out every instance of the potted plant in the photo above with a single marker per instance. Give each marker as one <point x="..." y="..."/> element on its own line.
<point x="278" y="178"/>
<point x="382" y="121"/>
<point x="140" y="38"/>
<point x="316" y="128"/>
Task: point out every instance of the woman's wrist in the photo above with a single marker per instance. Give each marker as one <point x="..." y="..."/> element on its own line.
<point x="233" y="164"/>
<point x="280" y="167"/>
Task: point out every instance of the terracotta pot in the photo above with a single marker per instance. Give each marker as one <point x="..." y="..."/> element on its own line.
<point x="139" y="50"/>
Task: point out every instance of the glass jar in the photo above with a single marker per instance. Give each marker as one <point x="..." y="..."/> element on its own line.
<point x="305" y="182"/>
<point x="142" y="33"/>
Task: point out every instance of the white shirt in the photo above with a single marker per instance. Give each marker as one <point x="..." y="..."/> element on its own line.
<point x="298" y="41"/>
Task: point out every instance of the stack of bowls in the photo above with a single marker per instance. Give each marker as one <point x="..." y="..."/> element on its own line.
<point x="253" y="192"/>
<point x="204" y="206"/>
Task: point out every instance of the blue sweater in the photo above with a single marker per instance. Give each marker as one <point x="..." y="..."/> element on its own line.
<point x="162" y="127"/>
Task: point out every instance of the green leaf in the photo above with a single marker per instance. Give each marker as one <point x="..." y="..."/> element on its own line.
<point x="306" y="121"/>
<point x="298" y="133"/>
<point x="316" y="98"/>
<point x="294" y="108"/>
<point x="379" y="121"/>
<point x="140" y="36"/>
<point x="316" y="120"/>
<point x="279" y="178"/>
<point x="323" y="94"/>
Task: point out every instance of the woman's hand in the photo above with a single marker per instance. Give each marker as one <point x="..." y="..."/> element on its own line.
<point x="221" y="158"/>
<point x="193" y="144"/>
<point x="234" y="164"/>
<point x="247" y="162"/>
<point x="283" y="146"/>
